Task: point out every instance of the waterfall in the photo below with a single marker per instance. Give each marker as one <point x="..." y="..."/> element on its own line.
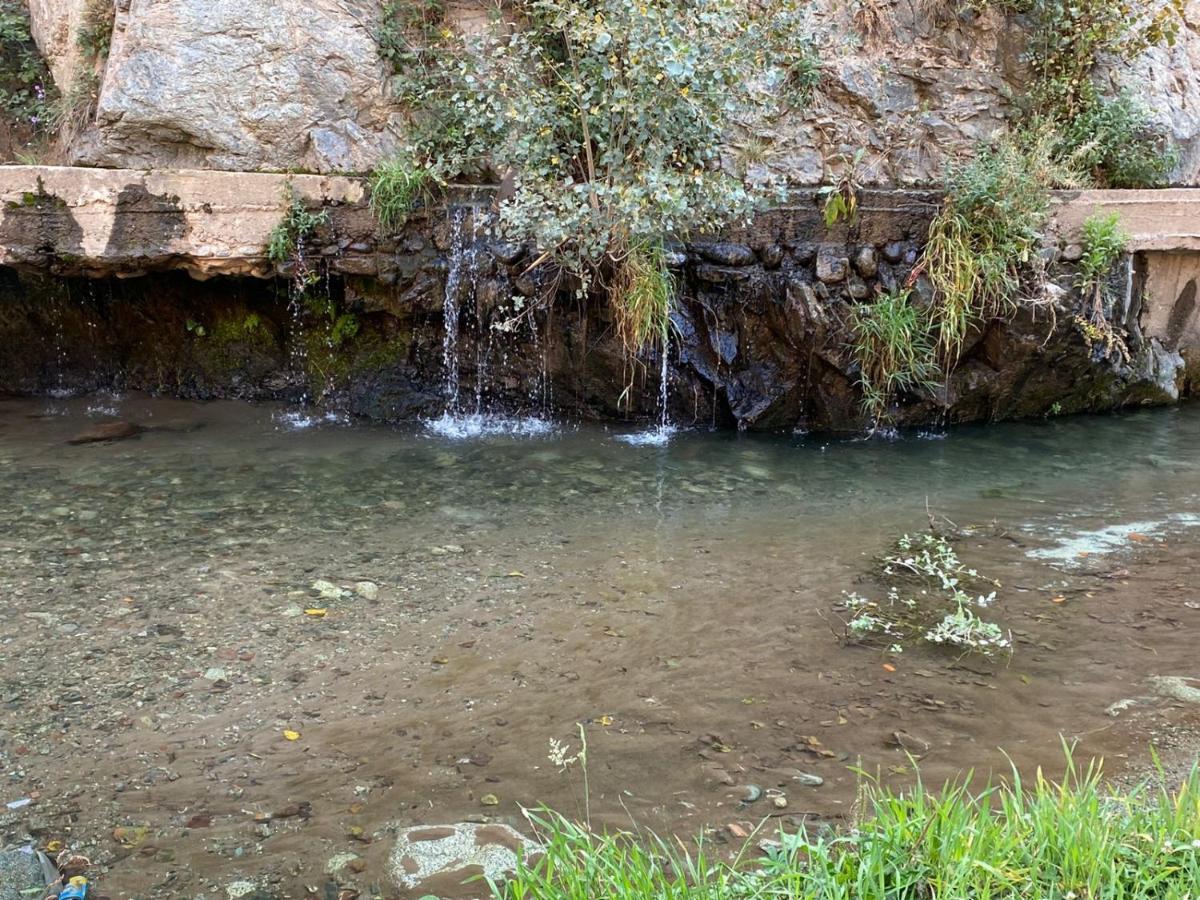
<point x="451" y="307"/>
<point x="480" y="421"/>
<point x="661" y="433"/>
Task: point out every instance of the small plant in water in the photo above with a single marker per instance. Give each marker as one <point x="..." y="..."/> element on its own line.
<point x="925" y="600"/>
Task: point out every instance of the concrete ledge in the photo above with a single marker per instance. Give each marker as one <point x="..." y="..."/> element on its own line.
<point x="115" y="222"/>
<point x="126" y="222"/>
<point x="1167" y="219"/>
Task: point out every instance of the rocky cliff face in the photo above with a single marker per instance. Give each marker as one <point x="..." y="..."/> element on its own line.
<point x="298" y="84"/>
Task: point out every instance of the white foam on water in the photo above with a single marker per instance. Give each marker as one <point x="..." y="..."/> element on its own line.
<point x="466" y="426"/>
<point x="1111" y="538"/>
<point x="653" y="437"/>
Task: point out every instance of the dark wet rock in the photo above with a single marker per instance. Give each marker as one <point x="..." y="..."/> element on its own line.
<point x="725" y="345"/>
<point x="893" y="251"/>
<point x="675" y="259"/>
<point x="108" y="431"/>
<point x="507" y="253"/>
<point x="857" y="288"/>
<point x="721" y="274"/>
<point x="726" y="254"/>
<point x="771" y="256"/>
<point x="832" y="266"/>
<point x="866" y="262"/>
<point x="803" y="252"/>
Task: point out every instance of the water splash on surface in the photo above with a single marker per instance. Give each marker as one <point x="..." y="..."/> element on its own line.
<point x="464" y="427"/>
<point x="660" y="435"/>
<point x="302" y="419"/>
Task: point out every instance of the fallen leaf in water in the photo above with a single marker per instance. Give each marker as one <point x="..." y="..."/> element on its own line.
<point x="316" y="613"/>
<point x="130" y="836"/>
<point x="1082" y="553"/>
<point x="489" y="800"/>
<point x="440" y="660"/>
<point x="291" y="735"/>
<point x="737" y="830"/>
<point x="1137" y="536"/>
<point x="888" y="667"/>
<point x="1059" y="599"/>
<point x="54" y="846"/>
<point x="604" y="720"/>
<point x="515" y="574"/>
<point x="609" y="631"/>
<point x="1024" y="679"/>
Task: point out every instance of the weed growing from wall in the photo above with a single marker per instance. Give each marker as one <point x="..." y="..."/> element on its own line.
<point x="987" y="233"/>
<point x="1104" y="245"/>
<point x="94" y="35"/>
<point x="288" y="239"/>
<point x="397" y="186"/>
<point x="893" y="346"/>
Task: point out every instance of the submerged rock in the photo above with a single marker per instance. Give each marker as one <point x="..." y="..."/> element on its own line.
<point x="438" y="859"/>
<point x="109" y="431"/>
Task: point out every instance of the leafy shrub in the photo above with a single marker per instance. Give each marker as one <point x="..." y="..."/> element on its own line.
<point x="894" y="350"/>
<point x="1113" y="141"/>
<point x="1070" y="36"/>
<point x="608" y="118"/>
<point x="1104" y="242"/>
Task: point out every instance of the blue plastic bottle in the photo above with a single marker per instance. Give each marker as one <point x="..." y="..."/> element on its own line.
<point x="76" y="889"/>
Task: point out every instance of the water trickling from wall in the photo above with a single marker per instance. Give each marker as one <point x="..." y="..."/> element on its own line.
<point x="479" y="420"/>
<point x="659" y="434"/>
<point x="303" y="415"/>
<point x="458" y="274"/>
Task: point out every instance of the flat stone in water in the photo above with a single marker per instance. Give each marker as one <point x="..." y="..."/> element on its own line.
<point x="443" y="856"/>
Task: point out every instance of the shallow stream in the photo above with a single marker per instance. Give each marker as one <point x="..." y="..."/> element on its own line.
<point x="468" y="600"/>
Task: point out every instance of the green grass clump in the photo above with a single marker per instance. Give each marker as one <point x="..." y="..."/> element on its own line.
<point x="1048" y="840"/>
<point x="894" y="350"/>
<point x="397" y="187"/>
<point x="987" y="231"/>
<point x="641" y="295"/>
